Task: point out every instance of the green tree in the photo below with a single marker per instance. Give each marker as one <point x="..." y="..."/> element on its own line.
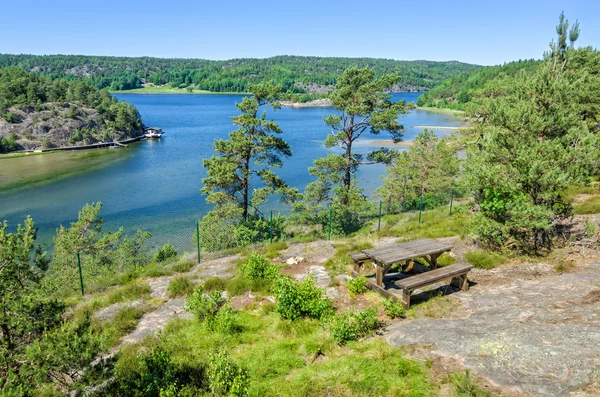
<point x="35" y="346"/>
<point x="538" y="134"/>
<point x="246" y="159"/>
<point x="364" y="105"/>
<point x="427" y="168"/>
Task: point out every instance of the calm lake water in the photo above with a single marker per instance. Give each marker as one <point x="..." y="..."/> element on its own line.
<point x="155" y="185"/>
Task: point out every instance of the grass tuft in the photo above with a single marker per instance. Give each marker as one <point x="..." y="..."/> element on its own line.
<point x="484" y="259"/>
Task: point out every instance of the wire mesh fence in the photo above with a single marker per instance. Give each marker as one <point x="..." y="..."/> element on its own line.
<point x="217" y="237"/>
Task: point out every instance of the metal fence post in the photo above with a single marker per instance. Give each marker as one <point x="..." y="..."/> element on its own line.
<point x="420" y="207"/>
<point x="451" y="199"/>
<point x="271" y="228"/>
<point x="80" y="274"/>
<point x="330" y="213"/>
<point x="379" y="221"/>
<point x="198" y="239"/>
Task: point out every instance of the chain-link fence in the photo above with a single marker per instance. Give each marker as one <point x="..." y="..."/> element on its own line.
<point x="221" y="236"/>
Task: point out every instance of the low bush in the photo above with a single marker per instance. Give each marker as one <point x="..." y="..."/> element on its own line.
<point x="214" y="284"/>
<point x="179" y="286"/>
<point x="446" y="260"/>
<point x="357" y="286"/>
<point x="225" y="377"/>
<point x="464" y="386"/>
<point x="301" y="299"/>
<point x="484" y="259"/>
<point x="257" y="268"/>
<point x="165" y="253"/>
<point x="393" y="309"/>
<point x="353" y="326"/>
<point x="183" y="266"/>
<point x="205" y="306"/>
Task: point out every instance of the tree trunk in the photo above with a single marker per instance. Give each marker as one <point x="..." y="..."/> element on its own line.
<point x="246" y="198"/>
<point x="348" y="173"/>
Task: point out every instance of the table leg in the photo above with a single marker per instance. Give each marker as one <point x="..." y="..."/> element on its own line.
<point x="379" y="275"/>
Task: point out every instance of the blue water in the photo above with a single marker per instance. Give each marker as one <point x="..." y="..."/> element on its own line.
<point x="156" y="186"/>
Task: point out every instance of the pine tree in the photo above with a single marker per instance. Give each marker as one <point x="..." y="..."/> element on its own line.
<point x="242" y="172"/>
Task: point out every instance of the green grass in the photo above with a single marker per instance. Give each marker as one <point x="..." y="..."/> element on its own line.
<point x="434" y="224"/>
<point x="179" y="286"/>
<point x="484" y="259"/>
<point x="183" y="265"/>
<point x="338" y="262"/>
<point x="591" y="205"/>
<point x="128" y="292"/>
<point x="573" y="191"/>
<point x="279" y="354"/>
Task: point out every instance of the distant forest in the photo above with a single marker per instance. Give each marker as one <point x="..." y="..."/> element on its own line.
<point x="295" y="73"/>
<point x="460" y="89"/>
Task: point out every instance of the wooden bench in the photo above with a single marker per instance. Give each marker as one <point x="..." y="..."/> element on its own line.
<point x="358" y="258"/>
<point x="458" y="272"/>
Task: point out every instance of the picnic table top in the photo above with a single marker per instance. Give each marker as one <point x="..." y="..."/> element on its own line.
<point x="395" y="253"/>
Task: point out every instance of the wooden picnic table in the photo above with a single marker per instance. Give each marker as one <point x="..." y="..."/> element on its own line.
<point x="384" y="257"/>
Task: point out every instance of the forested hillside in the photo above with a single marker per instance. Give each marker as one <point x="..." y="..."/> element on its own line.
<point x="296" y="73"/>
<point x="37" y="111"/>
<point x="457" y="90"/>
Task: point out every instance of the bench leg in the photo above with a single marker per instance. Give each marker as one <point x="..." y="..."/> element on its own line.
<point x="465" y="283"/>
<point x="379" y="275"/>
<point x="461" y="282"/>
<point x="406" y="298"/>
<point x="357" y="266"/>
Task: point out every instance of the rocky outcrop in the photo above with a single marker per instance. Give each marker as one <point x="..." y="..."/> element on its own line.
<point x="54" y="125"/>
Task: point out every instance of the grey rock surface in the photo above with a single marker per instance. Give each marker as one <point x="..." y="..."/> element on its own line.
<point x="538" y="336"/>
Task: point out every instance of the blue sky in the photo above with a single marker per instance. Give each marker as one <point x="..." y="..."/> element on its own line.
<point x="482" y="32"/>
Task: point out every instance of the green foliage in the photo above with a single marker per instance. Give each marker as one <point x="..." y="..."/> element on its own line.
<point x="300" y="299"/>
<point x="460" y="89"/>
<point x="352" y="326"/>
<point x="251" y="152"/>
<point x="257" y="268"/>
<point x="393" y="309"/>
<point x="214" y="284"/>
<point x="484" y="260"/>
<point x="535" y="137"/>
<point x="225" y="377"/>
<point x="427" y="169"/>
<point x="225" y="228"/>
<point x="364" y="104"/>
<point x="591" y="205"/>
<point x="465" y="387"/>
<point x="179" y="286"/>
<point x="165" y="253"/>
<point x="36" y="347"/>
<point x="104" y="256"/>
<point x="294" y="73"/>
<point x="212" y="309"/>
<point x="8" y="144"/>
<point x="357" y="286"/>
<point x="183" y="266"/>
<point x="35" y="92"/>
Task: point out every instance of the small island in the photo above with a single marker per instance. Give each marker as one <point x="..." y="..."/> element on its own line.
<point x="39" y="113"/>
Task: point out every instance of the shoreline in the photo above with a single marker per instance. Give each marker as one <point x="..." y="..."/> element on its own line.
<point x="384" y="143"/>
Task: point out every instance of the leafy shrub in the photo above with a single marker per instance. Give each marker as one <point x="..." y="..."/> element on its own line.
<point x="464" y="386"/>
<point x="305" y="299"/>
<point x="484" y="260"/>
<point x="357" y="286"/>
<point x="446" y="260"/>
<point x="166" y="252"/>
<point x="126" y="320"/>
<point x="214" y="284"/>
<point x="179" y="286"/>
<point x="204" y="306"/>
<point x="393" y="309"/>
<point x="183" y="266"/>
<point x="258" y="268"/>
<point x="353" y="326"/>
<point x="224" y="322"/>
<point x="225" y="377"/>
<point x="12" y="117"/>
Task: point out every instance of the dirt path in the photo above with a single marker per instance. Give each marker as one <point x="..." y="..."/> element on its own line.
<point x="539" y="336"/>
